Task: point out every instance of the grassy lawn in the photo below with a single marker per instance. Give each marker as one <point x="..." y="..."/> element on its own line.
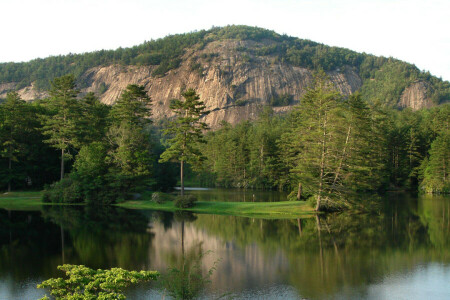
<point x="21" y="200"/>
<point x="265" y="210"/>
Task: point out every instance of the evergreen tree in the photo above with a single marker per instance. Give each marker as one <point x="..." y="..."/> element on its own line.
<point x="360" y="160"/>
<point x="436" y="169"/>
<point x="60" y="125"/>
<point x="93" y="120"/>
<point x="133" y="107"/>
<point x="14" y="116"/>
<point x="186" y="132"/>
<point x="129" y="151"/>
<point x="318" y="137"/>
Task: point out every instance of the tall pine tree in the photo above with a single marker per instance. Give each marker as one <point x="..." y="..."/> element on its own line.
<point x="60" y="125"/>
<point x="13" y="126"/>
<point x="186" y="132"/>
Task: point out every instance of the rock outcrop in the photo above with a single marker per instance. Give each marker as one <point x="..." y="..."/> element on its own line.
<point x="233" y="84"/>
<point x="415" y="96"/>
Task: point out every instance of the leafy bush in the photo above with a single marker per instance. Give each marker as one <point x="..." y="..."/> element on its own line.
<point x="67" y="190"/>
<point x="185" y="201"/>
<point x="86" y="283"/>
<point x="160" y="198"/>
<point x="281" y="100"/>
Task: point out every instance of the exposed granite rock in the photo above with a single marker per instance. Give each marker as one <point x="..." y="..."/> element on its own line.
<point x="233" y="84"/>
<point x="415" y="96"/>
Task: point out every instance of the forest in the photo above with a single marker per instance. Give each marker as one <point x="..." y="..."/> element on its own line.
<point x="328" y="148"/>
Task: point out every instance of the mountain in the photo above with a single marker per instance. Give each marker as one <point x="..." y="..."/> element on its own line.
<point x="235" y="69"/>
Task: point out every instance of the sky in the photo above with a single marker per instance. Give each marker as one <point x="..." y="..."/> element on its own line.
<point x="415" y="31"/>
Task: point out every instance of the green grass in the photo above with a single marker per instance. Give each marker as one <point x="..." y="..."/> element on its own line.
<point x="21" y="200"/>
<point x="264" y="210"/>
<point x="25" y="201"/>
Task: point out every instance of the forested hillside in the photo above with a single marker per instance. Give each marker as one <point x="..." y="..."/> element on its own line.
<point x="288" y="114"/>
<point x="386" y="80"/>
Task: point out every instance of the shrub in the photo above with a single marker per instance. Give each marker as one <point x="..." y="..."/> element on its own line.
<point x="67" y="190"/>
<point x="281" y="100"/>
<point x="186" y="201"/>
<point x="160" y="198"/>
<point x="85" y="283"/>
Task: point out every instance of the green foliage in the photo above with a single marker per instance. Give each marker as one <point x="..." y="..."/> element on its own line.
<point x="159" y="197"/>
<point x="85" y="283"/>
<point x="196" y="67"/>
<point x="242" y="102"/>
<point x="132" y="107"/>
<point x="185" y="201"/>
<point x="61" y="125"/>
<point x="281" y="100"/>
<point x="186" y="132"/>
<point x="186" y="281"/>
<point x="93" y="121"/>
<point x="436" y="168"/>
<point x="318" y="141"/>
<point x="186" y="129"/>
<point x="114" y="150"/>
<point x="14" y="125"/>
<point x="67" y="190"/>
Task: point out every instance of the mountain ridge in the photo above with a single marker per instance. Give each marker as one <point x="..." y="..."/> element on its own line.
<point x="235" y="69"/>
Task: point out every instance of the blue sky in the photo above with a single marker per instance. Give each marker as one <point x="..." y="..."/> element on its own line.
<point x="414" y="31"/>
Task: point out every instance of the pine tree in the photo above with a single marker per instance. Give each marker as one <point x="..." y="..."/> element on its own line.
<point x="133" y="107"/>
<point x="186" y="132"/>
<point x="129" y="136"/>
<point x="93" y="121"/>
<point x="60" y="125"/>
<point x="436" y="169"/>
<point x="318" y="138"/>
<point x="13" y="125"/>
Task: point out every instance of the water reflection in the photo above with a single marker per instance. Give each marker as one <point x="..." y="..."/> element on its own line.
<point x="337" y="256"/>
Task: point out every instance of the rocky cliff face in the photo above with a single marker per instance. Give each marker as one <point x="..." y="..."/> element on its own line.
<point x="415" y="96"/>
<point x="234" y="85"/>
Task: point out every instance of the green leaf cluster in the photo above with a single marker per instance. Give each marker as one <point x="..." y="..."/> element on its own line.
<point x="84" y="283"/>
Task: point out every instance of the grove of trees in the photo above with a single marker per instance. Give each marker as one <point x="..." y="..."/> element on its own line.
<point x="326" y="149"/>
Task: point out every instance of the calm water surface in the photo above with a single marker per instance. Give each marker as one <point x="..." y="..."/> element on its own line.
<point x="400" y="252"/>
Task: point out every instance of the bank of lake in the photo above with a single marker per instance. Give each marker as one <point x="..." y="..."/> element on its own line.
<point x="264" y="210"/>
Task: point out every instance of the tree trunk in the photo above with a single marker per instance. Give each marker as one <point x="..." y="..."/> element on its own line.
<point x="62" y="164"/>
<point x="182" y="177"/>
<point x="343" y="156"/>
<point x="299" y="192"/>
<point x="9" y="173"/>
<point x="322" y="164"/>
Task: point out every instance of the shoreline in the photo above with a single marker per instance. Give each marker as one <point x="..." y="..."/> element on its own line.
<point x="262" y="210"/>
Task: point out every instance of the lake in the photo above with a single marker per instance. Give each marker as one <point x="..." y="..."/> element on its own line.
<point x="401" y="251"/>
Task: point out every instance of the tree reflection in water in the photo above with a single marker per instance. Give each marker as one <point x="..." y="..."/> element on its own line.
<point x="335" y="255"/>
<point x="185" y="278"/>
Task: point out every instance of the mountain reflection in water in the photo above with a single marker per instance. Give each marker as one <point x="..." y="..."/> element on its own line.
<point x="401" y="251"/>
